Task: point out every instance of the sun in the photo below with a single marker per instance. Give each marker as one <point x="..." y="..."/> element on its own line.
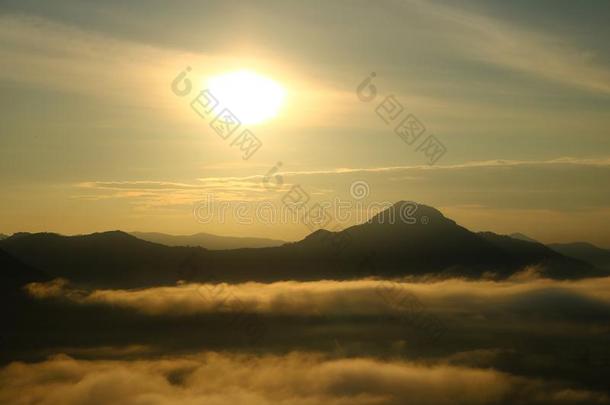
<point x="251" y="97"/>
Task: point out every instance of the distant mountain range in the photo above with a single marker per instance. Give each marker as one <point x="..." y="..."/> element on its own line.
<point x="207" y="240"/>
<point x="3" y="236"/>
<point x="584" y="251"/>
<point x="431" y="244"/>
<point x="587" y="252"/>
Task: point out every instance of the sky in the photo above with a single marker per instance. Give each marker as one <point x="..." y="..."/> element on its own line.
<point x="93" y="138"/>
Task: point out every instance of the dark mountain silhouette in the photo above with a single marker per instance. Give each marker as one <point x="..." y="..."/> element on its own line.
<point x="3" y="236"/>
<point x="404" y="240"/>
<point x="552" y="263"/>
<point x="584" y="251"/>
<point x="14" y="301"/>
<point x="408" y="239"/>
<point x="15" y="274"/>
<point x="207" y="240"/>
<point x="433" y="243"/>
<point x="100" y="259"/>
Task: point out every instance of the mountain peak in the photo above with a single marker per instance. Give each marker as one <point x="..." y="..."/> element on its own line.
<point x="116" y="234"/>
<point x="410" y="213"/>
<point x="317" y="234"/>
<point x="207" y="240"/>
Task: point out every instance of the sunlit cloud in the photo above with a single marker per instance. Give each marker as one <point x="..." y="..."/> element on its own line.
<point x="361" y="297"/>
<point x="293" y="379"/>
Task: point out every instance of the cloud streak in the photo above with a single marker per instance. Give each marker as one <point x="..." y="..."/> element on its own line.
<point x="358" y="297"/>
<point x="490" y="40"/>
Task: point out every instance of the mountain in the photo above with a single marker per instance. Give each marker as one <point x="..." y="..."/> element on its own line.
<point x="207" y="240"/>
<point x="406" y="239"/>
<point x="526" y="253"/>
<point x="435" y="244"/>
<point x="3" y="236"/>
<point x="110" y="259"/>
<point x="584" y="251"/>
<point x="13" y="300"/>
<point x="14" y="273"/>
<point x="523" y="237"/>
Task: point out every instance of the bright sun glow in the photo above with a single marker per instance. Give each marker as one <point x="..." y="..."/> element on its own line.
<point x="252" y="98"/>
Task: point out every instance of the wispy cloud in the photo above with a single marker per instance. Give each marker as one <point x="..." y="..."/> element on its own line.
<point x="548" y="57"/>
<point x="250" y="186"/>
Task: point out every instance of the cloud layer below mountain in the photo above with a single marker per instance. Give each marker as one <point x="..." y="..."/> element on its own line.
<point x="295" y="378"/>
<point x="358" y="297"/>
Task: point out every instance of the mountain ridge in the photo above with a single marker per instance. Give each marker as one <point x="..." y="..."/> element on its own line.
<point x="207" y="240"/>
<point x="586" y="251"/>
<point x="406" y="239"/>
